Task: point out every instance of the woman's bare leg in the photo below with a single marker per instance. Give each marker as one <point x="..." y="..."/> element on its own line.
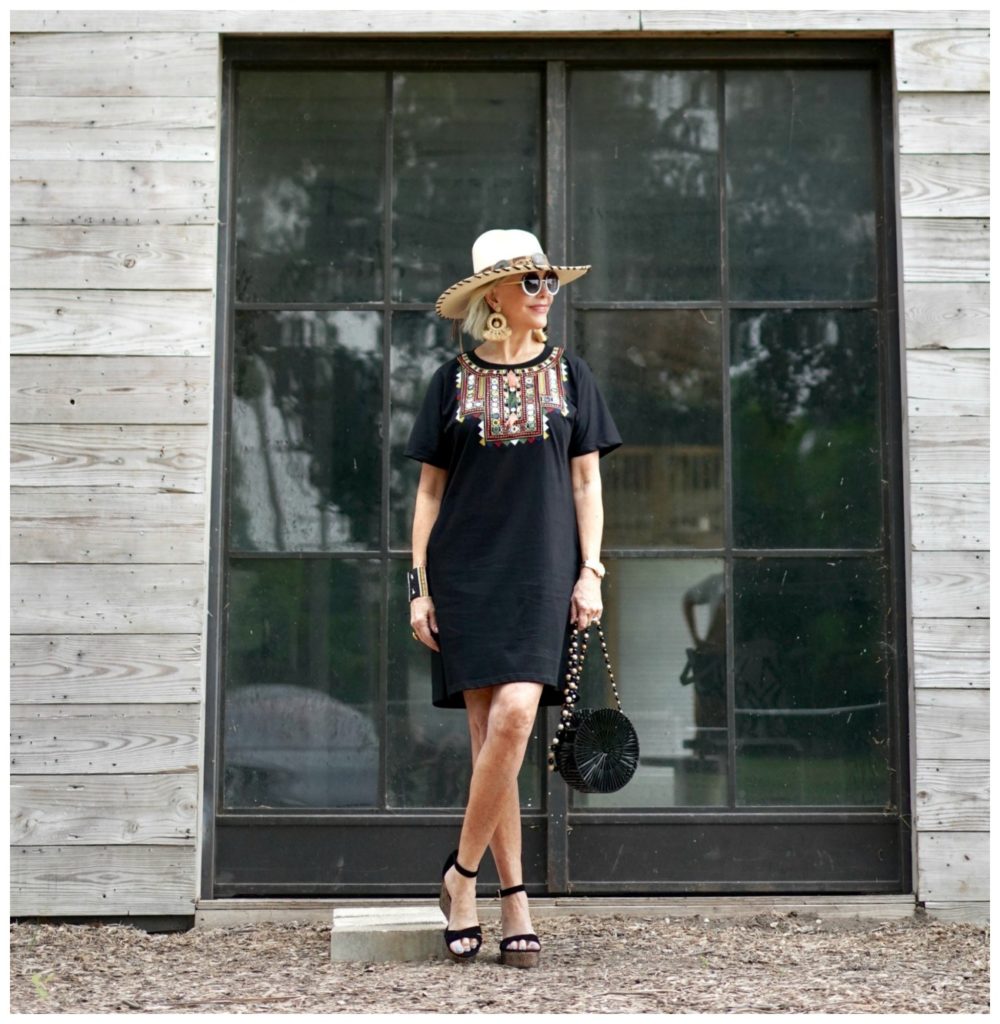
<point x="509" y="721"/>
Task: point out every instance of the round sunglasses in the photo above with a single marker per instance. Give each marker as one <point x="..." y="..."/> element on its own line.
<point x="531" y="283"/>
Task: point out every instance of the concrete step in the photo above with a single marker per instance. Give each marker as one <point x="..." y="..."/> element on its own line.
<point x="382" y="933"/>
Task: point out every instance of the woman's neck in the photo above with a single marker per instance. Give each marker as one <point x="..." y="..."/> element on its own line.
<point x="518" y="348"/>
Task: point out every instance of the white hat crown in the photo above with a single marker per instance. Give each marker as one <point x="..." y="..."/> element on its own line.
<point x="502" y="244"/>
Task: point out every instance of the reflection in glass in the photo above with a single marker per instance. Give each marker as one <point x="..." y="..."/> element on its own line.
<point x="300" y="718"/>
<point x="644" y="198"/>
<point x="466" y="157"/>
<point x="309" y="184"/>
<point x="421" y="341"/>
<point x="665" y="623"/>
<point x="806" y="445"/>
<point x="800" y="183"/>
<point x="306" y="431"/>
<point x="812" y="672"/>
<point x="660" y="373"/>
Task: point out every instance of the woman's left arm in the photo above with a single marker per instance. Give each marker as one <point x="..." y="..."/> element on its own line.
<point x="586" y="604"/>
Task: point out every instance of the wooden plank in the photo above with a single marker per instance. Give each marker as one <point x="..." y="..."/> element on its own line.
<point x="942" y="60"/>
<point x="946" y="315"/>
<point x="951" y="584"/>
<point x="951" y="653"/>
<point x="78" y="810"/>
<point x="137" y="457"/>
<point x="114" y="63"/>
<point x="107" y="598"/>
<point x="949" y="448"/>
<point x="952" y="796"/>
<point x="944" y="122"/>
<point x="82" y="880"/>
<point x="104" y="739"/>
<point x="950" y="517"/>
<point x="110" y="389"/>
<point x="130" y="192"/>
<point x="966" y="911"/>
<point x="76" y="524"/>
<point x="134" y="669"/>
<point x="945" y="249"/>
<point x="166" y="256"/>
<point x="103" y="130"/>
<point x="952" y="725"/>
<point x="397" y="22"/>
<point x="112" y="323"/>
<point x="944" y="185"/>
<point x="953" y="866"/>
<point x="948" y="383"/>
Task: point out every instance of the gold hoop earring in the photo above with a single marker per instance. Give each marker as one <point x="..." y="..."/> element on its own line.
<point x="496" y="327"/>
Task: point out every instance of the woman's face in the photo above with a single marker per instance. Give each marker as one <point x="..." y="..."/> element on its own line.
<point x="523" y="312"/>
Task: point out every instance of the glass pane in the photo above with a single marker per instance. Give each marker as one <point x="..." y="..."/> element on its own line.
<point x="644" y="197"/>
<point x="466" y="157"/>
<point x="309" y="186"/>
<point x="806" y="444"/>
<point x="306" y="431"/>
<point x="812" y="676"/>
<point x="300" y="715"/>
<point x="800" y="182"/>
<point x="661" y="374"/>
<point x="665" y="624"/>
<point x="428" y="756"/>
<point x="420" y="343"/>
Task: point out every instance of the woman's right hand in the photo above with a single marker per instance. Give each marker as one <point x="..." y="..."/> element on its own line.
<point x="423" y="621"/>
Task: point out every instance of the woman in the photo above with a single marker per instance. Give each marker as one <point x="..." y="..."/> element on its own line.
<point x="506" y="549"/>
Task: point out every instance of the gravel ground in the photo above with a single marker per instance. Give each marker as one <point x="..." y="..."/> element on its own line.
<point x="772" y="963"/>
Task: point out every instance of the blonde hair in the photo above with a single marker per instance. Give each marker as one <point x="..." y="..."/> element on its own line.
<point x="477" y="313"/>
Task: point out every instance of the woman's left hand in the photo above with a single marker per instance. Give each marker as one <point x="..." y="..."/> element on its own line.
<point x="586" y="605"/>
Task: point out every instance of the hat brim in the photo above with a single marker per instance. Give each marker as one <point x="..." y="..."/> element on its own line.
<point x="453" y="302"/>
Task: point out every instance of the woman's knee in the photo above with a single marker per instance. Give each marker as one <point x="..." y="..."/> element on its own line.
<point x="514" y="708"/>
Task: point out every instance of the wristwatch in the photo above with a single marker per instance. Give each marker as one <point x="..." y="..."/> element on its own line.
<point x="598" y="567"/>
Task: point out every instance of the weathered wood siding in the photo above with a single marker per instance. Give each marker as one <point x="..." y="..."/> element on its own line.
<point x="114" y="168"/>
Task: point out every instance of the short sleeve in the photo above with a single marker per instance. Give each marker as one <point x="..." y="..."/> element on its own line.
<point x="594" y="428"/>
<point x="429" y="442"/>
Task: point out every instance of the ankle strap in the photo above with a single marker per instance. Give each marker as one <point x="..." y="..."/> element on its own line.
<point x="509" y="892"/>
<point x="465" y="871"/>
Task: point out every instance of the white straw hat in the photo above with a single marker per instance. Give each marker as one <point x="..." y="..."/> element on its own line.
<point x="497" y="254"/>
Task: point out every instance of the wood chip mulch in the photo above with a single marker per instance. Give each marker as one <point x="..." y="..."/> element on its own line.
<point x="772" y="963"/>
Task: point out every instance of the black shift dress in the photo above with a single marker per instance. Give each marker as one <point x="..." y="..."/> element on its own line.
<point x="504" y="552"/>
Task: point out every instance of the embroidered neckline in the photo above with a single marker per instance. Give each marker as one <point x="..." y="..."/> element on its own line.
<point x="544" y="359"/>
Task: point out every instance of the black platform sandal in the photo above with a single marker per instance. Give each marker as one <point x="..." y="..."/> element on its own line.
<point x="518" y="957"/>
<point x="474" y="931"/>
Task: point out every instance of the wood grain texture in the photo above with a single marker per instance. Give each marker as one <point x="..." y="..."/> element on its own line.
<point x="953" y="866"/>
<point x="128" y="191"/>
<point x="107" y="598"/>
<point x="949" y="449"/>
<point x="88" y="810"/>
<point x="115" y="63"/>
<point x="104" y="739"/>
<point x="134" y="456"/>
<point x="966" y="911"/>
<point x="952" y="796"/>
<point x="951" y="584"/>
<point x="946" y="315"/>
<point x="99" y="669"/>
<point x="165" y="256"/>
<point x="944" y="122"/>
<point x="98" y="525"/>
<point x="950" y="516"/>
<point x="112" y="323"/>
<point x="942" y="60"/>
<point x="948" y="383"/>
<point x="949" y="185"/>
<point x="951" y="653"/>
<point x="110" y="389"/>
<point x="945" y="249"/>
<point x="952" y="724"/>
<point x="107" y="879"/>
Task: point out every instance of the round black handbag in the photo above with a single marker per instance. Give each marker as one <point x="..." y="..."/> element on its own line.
<point x="596" y="750"/>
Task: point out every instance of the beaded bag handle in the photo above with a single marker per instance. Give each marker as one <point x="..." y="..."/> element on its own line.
<point x="571" y="694"/>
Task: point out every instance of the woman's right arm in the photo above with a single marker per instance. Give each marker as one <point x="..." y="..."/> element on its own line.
<point x="429" y="491"/>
